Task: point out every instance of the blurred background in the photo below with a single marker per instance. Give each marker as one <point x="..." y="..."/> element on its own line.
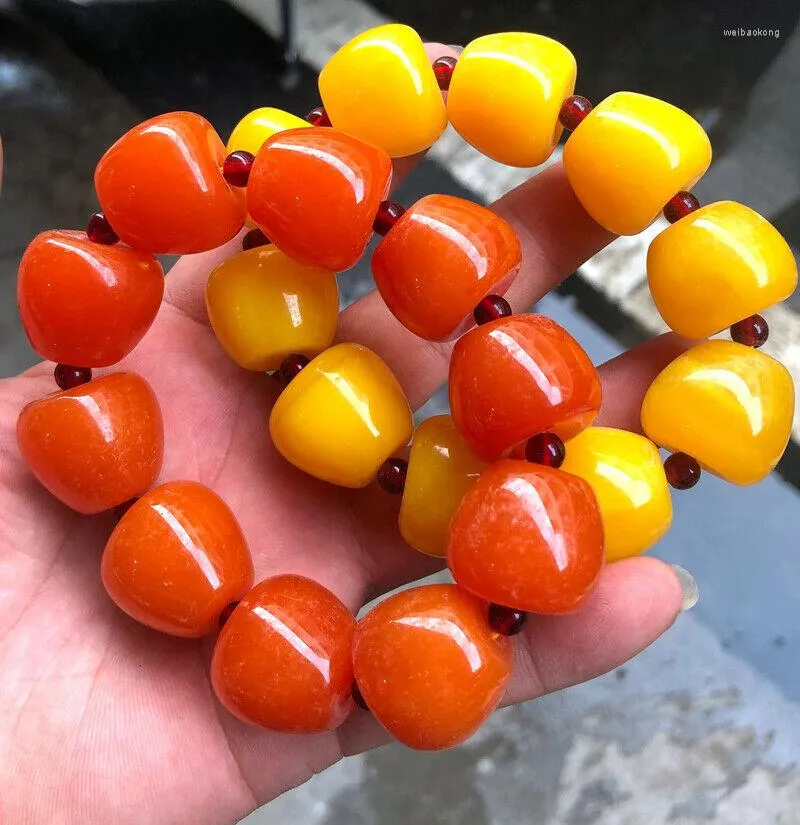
<point x="705" y="726"/>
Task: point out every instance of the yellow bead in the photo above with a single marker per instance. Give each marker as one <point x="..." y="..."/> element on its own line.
<point x="440" y="471"/>
<point x="263" y="306"/>
<point x="505" y="95"/>
<point x="630" y="155"/>
<point x="254" y="128"/>
<point x="380" y="87"/>
<point x="627" y="476"/>
<point x="727" y="405"/>
<point x="716" y="266"/>
<point x="341" y="417"/>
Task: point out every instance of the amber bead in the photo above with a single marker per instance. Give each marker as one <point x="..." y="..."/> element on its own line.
<point x="318" y="117"/>
<point x="518" y="376"/>
<point x="429" y="667"/>
<point x="682" y="471"/>
<point x="573" y="110"/>
<point x="752" y="331"/>
<point x="392" y="475"/>
<point x="680" y="205"/>
<point x="236" y="167"/>
<point x="388" y="214"/>
<point x="99" y="230"/>
<point x="85" y="303"/>
<point x="68" y="378"/>
<point x="177" y="559"/>
<point x="315" y="193"/>
<point x="506" y="620"/>
<point x="283" y="658"/>
<point x="528" y="537"/>
<point x="545" y="448"/>
<point x="491" y="308"/>
<point x="97" y="445"/>
<point x="443" y="69"/>
<point x="254" y="238"/>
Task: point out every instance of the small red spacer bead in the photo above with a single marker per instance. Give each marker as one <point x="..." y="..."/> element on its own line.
<point x="236" y="168"/>
<point x="121" y="509"/>
<point x="547" y="449"/>
<point x="68" y="377"/>
<point x="443" y="69"/>
<point x="506" y="620"/>
<point x="318" y="117"/>
<point x="99" y="230"/>
<point x="358" y="698"/>
<point x="680" y="205"/>
<point x="682" y="471"/>
<point x="752" y="331"/>
<point x="392" y="475"/>
<point x="388" y="214"/>
<point x="573" y="110"/>
<point x="254" y="238"/>
<point x="226" y="612"/>
<point x="290" y="368"/>
<point x="491" y="308"/>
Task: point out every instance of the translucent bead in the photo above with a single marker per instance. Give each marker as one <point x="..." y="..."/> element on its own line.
<point x="290" y="368"/>
<point x="263" y="306"/>
<point x="528" y="537"/>
<point x="441" y="257"/>
<point x="86" y="303"/>
<point x="162" y="189"/>
<point x="505" y="620"/>
<point x="318" y="117"/>
<point x="95" y="446"/>
<point x="630" y="155"/>
<point x="506" y="93"/>
<point x="443" y="69"/>
<point x="255" y="127"/>
<point x="99" y="230"/>
<point x="680" y="205"/>
<point x="682" y="471"/>
<point x="491" y="308"/>
<point x="625" y="473"/>
<point x="389" y="213"/>
<point x="236" y="168"/>
<point x="545" y="448"/>
<point x="177" y="559"/>
<point x="283" y="658"/>
<point x="315" y="193"/>
<point x="441" y="469"/>
<point x="341" y="417"/>
<point x="429" y="667"/>
<point x="752" y="331"/>
<point x="392" y="475"/>
<point x="728" y="406"/>
<point x="68" y="378"/>
<point x="381" y="88"/>
<point x="573" y="110"/>
<point x="721" y="263"/>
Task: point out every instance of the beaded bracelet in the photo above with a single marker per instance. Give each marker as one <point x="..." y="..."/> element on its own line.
<point x="524" y="522"/>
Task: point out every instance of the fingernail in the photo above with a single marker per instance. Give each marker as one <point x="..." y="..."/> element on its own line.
<point x="456" y="49"/>
<point x="689" y="588"/>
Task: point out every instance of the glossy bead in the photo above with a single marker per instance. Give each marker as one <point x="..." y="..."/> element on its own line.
<point x="388" y="214"/>
<point x="162" y="189"/>
<point x="752" y="331"/>
<point x="290" y="368"/>
<point x="381" y="88"/>
<point x="728" y="406"/>
<point x="99" y="230"/>
<point x="630" y="155"/>
<point x="545" y="448"/>
<point x="236" y="168"/>
<point x="573" y="110"/>
<point x="283" y="658"/>
<point x="68" y="378"/>
<point x="85" y="303"/>
<point x="506" y="93"/>
<point x="318" y="117"/>
<point x="519" y="376"/>
<point x="95" y="446"/>
<point x="528" y="537"/>
<point x="341" y="417"/>
<point x="443" y="69"/>
<point x="254" y="238"/>
<point x="429" y="667"/>
<point x="177" y="559"/>
<point x="392" y="475"/>
<point x="625" y="473"/>
<point x="441" y="257"/>
<point x="680" y="205"/>
<point x="255" y="127"/>
<point x="315" y="193"/>
<point x="718" y="265"/>
<point x="682" y="471"/>
<point x="491" y="308"/>
<point x="505" y="621"/>
<point x="263" y="306"/>
<point x="441" y="469"/>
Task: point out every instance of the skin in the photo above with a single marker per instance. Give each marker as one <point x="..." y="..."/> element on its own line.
<point x="103" y="720"/>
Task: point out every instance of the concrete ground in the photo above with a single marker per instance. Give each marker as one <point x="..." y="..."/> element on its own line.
<point x="705" y="726"/>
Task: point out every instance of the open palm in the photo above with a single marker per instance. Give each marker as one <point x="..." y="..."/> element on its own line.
<point x="103" y="720"/>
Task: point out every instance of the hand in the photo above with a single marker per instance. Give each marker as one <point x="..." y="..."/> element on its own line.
<point x="103" y="720"/>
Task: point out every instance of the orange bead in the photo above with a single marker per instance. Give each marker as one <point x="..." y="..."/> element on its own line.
<point x="315" y="193"/>
<point x="177" y="559"/>
<point x="162" y="190"/>
<point x="95" y="446"/>
<point x="528" y="537"/>
<point x="283" y="659"/>
<point x="518" y="376"/>
<point x="441" y="257"/>
<point x="84" y="303"/>
<point x="429" y="667"/>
